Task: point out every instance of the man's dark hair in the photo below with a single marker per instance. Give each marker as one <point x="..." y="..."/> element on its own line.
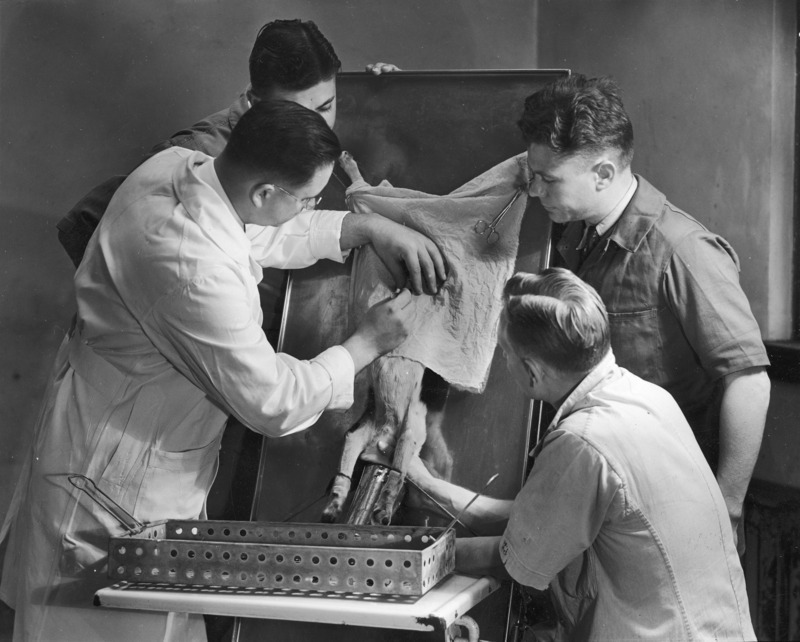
<point x="291" y="55"/>
<point x="576" y="115"/>
<point x="280" y="139"/>
<point x="557" y="318"/>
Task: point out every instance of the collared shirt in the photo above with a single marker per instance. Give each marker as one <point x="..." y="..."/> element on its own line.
<point x="677" y="314"/>
<point x="612" y="217"/>
<point x="622" y="518"/>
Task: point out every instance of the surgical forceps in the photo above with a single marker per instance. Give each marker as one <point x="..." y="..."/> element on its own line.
<point x="490" y="229"/>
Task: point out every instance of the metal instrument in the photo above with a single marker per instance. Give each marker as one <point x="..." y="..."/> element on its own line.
<point x="490" y="229"/>
<point x="125" y="519"/>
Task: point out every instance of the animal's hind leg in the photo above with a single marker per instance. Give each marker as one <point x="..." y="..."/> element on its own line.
<point x="408" y="446"/>
<point x="355" y="442"/>
<point x="350" y="166"/>
<point x="435" y="452"/>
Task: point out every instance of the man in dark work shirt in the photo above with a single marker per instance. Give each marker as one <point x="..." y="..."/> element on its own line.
<point x="677" y="313"/>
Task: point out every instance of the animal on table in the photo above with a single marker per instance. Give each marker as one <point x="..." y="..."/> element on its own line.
<point x="403" y="419"/>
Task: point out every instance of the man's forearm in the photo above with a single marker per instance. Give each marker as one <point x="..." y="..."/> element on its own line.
<point x="483" y="513"/>
<point x="480" y="556"/>
<point x="742" y="415"/>
<point x="357" y="230"/>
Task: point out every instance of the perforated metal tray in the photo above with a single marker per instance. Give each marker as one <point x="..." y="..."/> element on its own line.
<point x="393" y="560"/>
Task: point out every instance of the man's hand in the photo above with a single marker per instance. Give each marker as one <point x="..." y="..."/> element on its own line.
<point x="412" y="258"/>
<point x="385" y="326"/>
<point x="379" y="68"/>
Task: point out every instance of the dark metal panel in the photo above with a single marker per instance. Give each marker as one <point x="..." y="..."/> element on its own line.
<point x="430" y="131"/>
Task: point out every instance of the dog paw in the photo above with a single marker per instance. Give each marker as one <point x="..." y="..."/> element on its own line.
<point x="350" y="166"/>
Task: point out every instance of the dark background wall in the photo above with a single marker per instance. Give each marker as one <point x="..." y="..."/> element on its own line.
<point x="86" y="86"/>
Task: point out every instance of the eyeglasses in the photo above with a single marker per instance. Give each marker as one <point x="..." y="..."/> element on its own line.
<point x="308" y="203"/>
<point x="489" y="229"/>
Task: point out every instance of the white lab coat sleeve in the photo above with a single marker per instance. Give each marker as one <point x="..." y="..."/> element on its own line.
<point x="302" y="241"/>
<point x="210" y="328"/>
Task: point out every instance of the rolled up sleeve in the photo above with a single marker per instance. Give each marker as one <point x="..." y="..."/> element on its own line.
<point x="559" y="511"/>
<point x="702" y="286"/>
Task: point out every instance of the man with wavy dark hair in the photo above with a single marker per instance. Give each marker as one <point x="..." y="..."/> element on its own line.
<point x="291" y="55"/>
<point x="677" y="313"/>
<point x="620" y="517"/>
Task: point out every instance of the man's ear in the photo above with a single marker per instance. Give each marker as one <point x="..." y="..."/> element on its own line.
<point x="605" y="170"/>
<point x="534" y="370"/>
<point x="251" y="97"/>
<point x="261" y="194"/>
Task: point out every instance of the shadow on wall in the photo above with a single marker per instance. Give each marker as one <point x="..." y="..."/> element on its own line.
<point x="36" y="307"/>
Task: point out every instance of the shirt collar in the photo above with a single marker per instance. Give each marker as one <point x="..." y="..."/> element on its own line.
<point x="639" y="217"/>
<point x="613" y="216"/>
<point x="603" y="370"/>
<point x="207" y="172"/>
<point x="199" y="191"/>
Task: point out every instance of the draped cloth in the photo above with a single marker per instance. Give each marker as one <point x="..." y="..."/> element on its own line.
<point x="458" y="333"/>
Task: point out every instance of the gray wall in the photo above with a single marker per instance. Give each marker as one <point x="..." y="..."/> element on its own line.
<point x="87" y="85"/>
<point x="710" y="89"/>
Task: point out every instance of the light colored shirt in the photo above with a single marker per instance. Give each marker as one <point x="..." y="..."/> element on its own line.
<point x="623" y="519"/>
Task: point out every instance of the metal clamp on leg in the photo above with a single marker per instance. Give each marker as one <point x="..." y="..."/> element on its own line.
<point x="371" y="503"/>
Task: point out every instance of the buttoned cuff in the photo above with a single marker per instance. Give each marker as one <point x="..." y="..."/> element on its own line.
<point x="325" y="232"/>
<point x="517" y="569"/>
<point x="342" y="371"/>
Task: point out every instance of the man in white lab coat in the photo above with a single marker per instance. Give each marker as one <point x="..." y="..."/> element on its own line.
<point x="168" y="343"/>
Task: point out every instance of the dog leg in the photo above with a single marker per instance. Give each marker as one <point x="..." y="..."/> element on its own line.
<point x="355" y="442"/>
<point x="408" y="446"/>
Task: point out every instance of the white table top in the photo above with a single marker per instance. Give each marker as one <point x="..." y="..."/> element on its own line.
<point x="436" y="610"/>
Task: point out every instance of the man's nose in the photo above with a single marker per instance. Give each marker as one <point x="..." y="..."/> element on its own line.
<point x="535" y="187"/>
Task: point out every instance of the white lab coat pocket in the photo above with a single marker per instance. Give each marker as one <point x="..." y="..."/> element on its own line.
<point x="82" y="552"/>
<point x="175" y="484"/>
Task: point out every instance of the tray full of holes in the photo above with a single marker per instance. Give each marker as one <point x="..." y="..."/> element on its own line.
<point x="388" y="560"/>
